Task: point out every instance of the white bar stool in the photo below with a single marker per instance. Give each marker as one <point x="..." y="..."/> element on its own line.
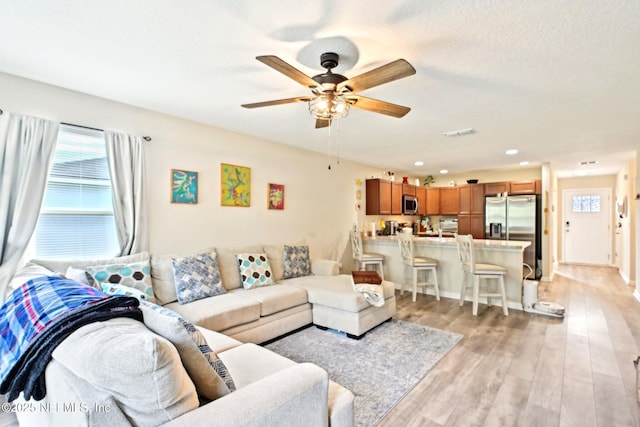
<point x="415" y="265"/>
<point x="479" y="271"/>
<point x="361" y="259"/>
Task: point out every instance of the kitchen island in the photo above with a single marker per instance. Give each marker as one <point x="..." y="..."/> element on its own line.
<point x="508" y="254"/>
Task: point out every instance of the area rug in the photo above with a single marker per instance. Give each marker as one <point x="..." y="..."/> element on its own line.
<point x="380" y="369"/>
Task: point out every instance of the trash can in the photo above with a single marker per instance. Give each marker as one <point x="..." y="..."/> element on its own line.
<point x="529" y="293"/>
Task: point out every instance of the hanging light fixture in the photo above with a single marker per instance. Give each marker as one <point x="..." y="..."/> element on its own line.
<point x="328" y="106"/>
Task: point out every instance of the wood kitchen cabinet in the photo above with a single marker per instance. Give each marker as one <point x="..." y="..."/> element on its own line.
<point x="421" y="194"/>
<point x="471" y="211"/>
<point x="525" y="187"/>
<point x="494" y="188"/>
<point x="433" y="200"/>
<point x="396" y="198"/>
<point x="449" y="200"/>
<point x="471" y="224"/>
<point x="471" y="199"/>
<point x="378" y="197"/>
<point x="408" y="190"/>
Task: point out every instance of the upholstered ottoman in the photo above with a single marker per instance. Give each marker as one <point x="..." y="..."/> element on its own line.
<point x="337" y="305"/>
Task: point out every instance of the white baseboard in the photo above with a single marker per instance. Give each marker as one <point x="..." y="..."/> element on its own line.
<point x="626" y="278"/>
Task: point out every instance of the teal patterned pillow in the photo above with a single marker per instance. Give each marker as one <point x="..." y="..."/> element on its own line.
<point x="296" y="262"/>
<point x="209" y="374"/>
<point x="136" y="275"/>
<point x="197" y="277"/>
<point x="255" y="270"/>
<point x="116" y="289"/>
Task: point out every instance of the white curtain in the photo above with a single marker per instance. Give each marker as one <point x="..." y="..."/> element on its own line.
<point x="26" y="151"/>
<point x="125" y="154"/>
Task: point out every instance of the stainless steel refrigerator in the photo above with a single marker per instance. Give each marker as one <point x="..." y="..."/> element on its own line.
<point x="516" y="218"/>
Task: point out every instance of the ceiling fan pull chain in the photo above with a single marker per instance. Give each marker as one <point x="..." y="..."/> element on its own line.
<point x="329" y="144"/>
<point x="338" y="142"/>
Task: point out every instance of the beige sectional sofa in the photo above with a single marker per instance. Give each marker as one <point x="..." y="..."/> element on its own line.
<point x="271" y="390"/>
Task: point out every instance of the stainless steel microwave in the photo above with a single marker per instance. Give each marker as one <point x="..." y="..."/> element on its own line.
<point x="409" y="205"/>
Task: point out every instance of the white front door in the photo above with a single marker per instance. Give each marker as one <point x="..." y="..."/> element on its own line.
<point x="586" y="226"/>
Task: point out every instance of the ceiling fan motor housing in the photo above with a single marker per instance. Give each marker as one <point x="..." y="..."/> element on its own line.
<point x="329" y="60"/>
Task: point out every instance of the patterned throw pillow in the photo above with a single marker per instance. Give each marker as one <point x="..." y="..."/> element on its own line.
<point x="197" y="277"/>
<point x="255" y="270"/>
<point x="206" y="370"/>
<point x="116" y="289"/>
<point x="296" y="262"/>
<point x="136" y="275"/>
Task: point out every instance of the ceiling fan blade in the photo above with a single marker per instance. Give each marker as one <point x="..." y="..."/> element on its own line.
<point x="288" y="70"/>
<point x="320" y="123"/>
<point x="277" y="102"/>
<point x="387" y="73"/>
<point x="376" y="106"/>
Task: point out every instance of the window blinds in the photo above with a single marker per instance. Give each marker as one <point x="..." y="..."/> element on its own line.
<point x="76" y="220"/>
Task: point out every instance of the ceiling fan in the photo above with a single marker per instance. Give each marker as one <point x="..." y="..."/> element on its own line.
<point x="334" y="94"/>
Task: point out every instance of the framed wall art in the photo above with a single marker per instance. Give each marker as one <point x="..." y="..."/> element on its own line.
<point x="184" y="186"/>
<point x="275" y="196"/>
<point x="235" y="185"/>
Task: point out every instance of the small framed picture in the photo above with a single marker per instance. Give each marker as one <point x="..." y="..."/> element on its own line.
<point x="275" y="196"/>
<point x="184" y="186"/>
<point x="235" y="185"/>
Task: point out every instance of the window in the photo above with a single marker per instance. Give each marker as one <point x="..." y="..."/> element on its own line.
<point x="76" y="220"/>
<point x="586" y="203"/>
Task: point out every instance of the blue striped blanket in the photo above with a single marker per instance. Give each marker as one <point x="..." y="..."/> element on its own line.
<point x="38" y="316"/>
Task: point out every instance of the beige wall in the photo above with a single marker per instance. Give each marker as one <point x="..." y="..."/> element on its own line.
<point x="319" y="207"/>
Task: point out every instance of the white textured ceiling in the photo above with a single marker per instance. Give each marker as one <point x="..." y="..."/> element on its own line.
<point x="557" y="80"/>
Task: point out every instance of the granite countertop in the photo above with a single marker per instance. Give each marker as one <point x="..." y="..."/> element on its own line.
<point x="451" y="241"/>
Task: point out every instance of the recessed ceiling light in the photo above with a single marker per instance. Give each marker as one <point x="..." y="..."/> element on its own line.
<point x="590" y="162"/>
<point x="525" y="163"/>
<point x="419" y="163"/>
<point x="511" y="152"/>
<point x="444" y="171"/>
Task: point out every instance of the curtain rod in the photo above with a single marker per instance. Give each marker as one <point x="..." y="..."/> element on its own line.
<point x="146" y="138"/>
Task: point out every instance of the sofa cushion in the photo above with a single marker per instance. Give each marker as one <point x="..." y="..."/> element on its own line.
<point x="164" y="284"/>
<point x="207" y="371"/>
<point x="228" y="264"/>
<point x="197" y="277"/>
<point x="220" y="312"/>
<point x="275" y="253"/>
<point x="255" y="270"/>
<point x="29" y="271"/>
<point x="140" y="369"/>
<point x="296" y="262"/>
<point x="273" y="299"/>
<point x="136" y="275"/>
<point x="250" y="363"/>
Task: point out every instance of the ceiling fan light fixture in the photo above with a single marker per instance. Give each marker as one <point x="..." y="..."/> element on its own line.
<point x="328" y="107"/>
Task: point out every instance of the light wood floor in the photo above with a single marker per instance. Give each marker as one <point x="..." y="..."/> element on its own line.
<point x="532" y="370"/>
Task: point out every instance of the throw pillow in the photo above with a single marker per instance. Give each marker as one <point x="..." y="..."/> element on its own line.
<point x="136" y="275"/>
<point x="207" y="371"/>
<point x="197" y="277"/>
<point x="116" y="289"/>
<point x="255" y="270"/>
<point x="296" y="262"/>
<point x="77" y="274"/>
